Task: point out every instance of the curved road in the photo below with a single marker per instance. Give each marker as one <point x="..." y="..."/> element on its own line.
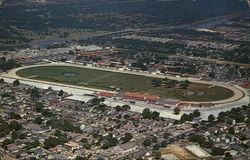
<point x="239" y="93"/>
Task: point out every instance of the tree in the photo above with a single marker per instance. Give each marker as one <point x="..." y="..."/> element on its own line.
<point x="118" y="108"/>
<point x="2" y="59"/>
<point x="34" y="93"/>
<point x="14" y="135"/>
<point x="6" y="94"/>
<point x="217" y="151"/>
<point x="87" y="145"/>
<point x="60" y="93"/>
<point x="125" y="107"/>
<point x="239" y="118"/>
<point x="16" y="82"/>
<point x="6" y="142"/>
<point x="127" y="137"/>
<point x="231" y="131"/>
<point x="207" y="144"/>
<point x="184" y="85"/>
<point x="154" y="139"/>
<point x="13" y="115"/>
<point x="196" y="113"/>
<point x="184" y="118"/>
<point x="220" y="117"/>
<point x="63" y="125"/>
<point x="53" y="142"/>
<point x="228" y="156"/>
<point x="47" y="113"/>
<point x="95" y="101"/>
<point x="177" y="110"/>
<point x="5" y="128"/>
<point x="57" y="133"/>
<point x="101" y="107"/>
<point x="84" y="140"/>
<point x="211" y="118"/>
<point x="211" y="75"/>
<point x="166" y="135"/>
<point x="146" y="113"/>
<point x="81" y="158"/>
<point x="163" y="70"/>
<point x="38" y="120"/>
<point x="31" y="145"/>
<point x="197" y="138"/>
<point x="22" y="136"/>
<point x="158" y="155"/>
<point x="50" y="142"/>
<point x="39" y="107"/>
<point x="7" y="65"/>
<point x="147" y="142"/>
<point x="221" y="114"/>
<point x="187" y="82"/>
<point x="155" y="115"/>
<point x="15" y="126"/>
<point x="109" y="142"/>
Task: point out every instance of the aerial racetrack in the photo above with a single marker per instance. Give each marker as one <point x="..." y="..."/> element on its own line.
<point x="104" y="79"/>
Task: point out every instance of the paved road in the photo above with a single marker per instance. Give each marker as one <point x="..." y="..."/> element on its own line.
<point x="238" y="92"/>
<point x="164" y="28"/>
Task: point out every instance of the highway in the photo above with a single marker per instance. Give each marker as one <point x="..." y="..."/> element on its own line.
<point x="164" y="28"/>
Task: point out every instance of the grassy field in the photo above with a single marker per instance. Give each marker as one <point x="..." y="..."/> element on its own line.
<point x="104" y="80"/>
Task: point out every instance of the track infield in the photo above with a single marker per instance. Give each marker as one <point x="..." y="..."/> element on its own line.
<point x="106" y="80"/>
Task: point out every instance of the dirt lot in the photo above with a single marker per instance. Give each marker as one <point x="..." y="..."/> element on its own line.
<point x="179" y="152"/>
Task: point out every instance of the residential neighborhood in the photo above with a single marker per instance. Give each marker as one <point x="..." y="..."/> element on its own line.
<point x="124" y="80"/>
<point x="44" y="124"/>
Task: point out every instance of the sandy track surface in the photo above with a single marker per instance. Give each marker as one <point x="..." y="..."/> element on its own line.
<point x="238" y="93"/>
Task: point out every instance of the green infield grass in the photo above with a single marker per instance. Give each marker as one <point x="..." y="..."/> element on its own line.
<point x="123" y="82"/>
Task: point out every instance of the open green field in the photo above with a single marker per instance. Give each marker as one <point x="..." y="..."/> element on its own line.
<point x="126" y="82"/>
